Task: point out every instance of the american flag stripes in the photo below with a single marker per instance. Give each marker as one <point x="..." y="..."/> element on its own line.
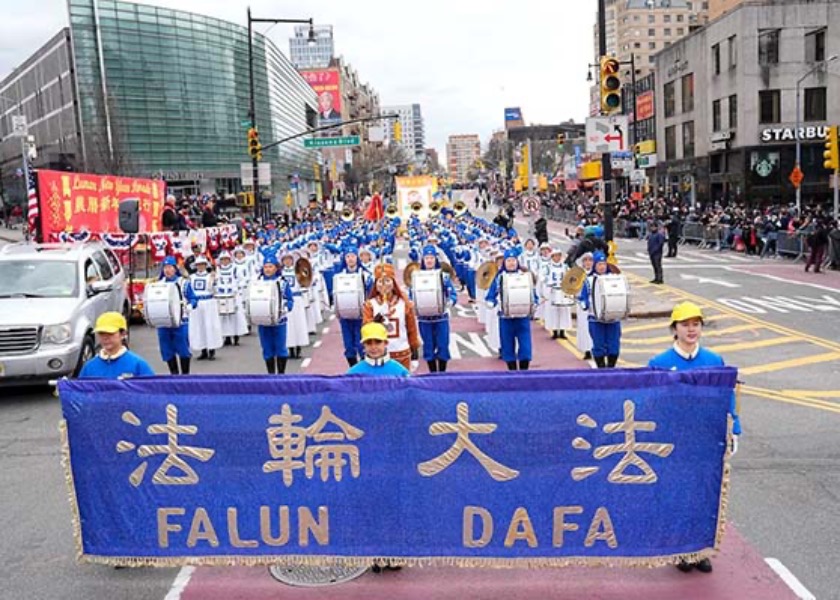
<point x="32" y="200"/>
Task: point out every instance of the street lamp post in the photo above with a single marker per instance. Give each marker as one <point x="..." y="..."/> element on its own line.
<point x="816" y="67"/>
<point x="252" y="112"/>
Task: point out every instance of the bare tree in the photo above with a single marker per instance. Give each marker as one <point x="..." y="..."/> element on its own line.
<point x="102" y="157"/>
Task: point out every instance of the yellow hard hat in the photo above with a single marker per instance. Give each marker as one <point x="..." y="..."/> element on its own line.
<point x="374" y="331"/>
<point x="684" y="311"/>
<point x="110" y="322"/>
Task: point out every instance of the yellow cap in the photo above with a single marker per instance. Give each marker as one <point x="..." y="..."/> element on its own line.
<point x="374" y="331"/>
<point x="685" y="311"/>
<point x="110" y="322"/>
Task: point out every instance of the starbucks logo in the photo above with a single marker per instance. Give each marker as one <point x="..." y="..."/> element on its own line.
<point x="764" y="168"/>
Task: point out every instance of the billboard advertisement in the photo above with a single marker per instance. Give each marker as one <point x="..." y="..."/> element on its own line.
<point x="644" y="106"/>
<point x="327" y="85"/>
<point x="513" y="114"/>
<point x="76" y="202"/>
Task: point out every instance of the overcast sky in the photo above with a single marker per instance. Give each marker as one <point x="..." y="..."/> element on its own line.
<point x="463" y="61"/>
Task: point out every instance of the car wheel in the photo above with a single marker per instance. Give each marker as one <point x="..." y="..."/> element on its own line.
<point x="126" y="311"/>
<point x="87" y="352"/>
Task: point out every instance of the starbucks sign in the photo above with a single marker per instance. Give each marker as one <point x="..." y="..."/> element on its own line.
<point x="773" y="135"/>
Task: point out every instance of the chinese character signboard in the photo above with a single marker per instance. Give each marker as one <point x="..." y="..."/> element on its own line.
<point x="551" y="469"/>
<point x="644" y="106"/>
<point x="327" y="85"/>
<point x="76" y="202"/>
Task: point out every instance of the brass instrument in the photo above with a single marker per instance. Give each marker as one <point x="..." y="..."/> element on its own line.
<point x="613" y="268"/>
<point x="486" y="274"/>
<point x="573" y="281"/>
<point x="348" y="215"/>
<point x="460" y="208"/>
<point x="434" y="209"/>
<point x="392" y="210"/>
<point x="303" y="272"/>
<point x="416" y="207"/>
<point x="410" y="268"/>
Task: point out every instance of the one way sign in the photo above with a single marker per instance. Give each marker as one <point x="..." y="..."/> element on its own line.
<point x="607" y="134"/>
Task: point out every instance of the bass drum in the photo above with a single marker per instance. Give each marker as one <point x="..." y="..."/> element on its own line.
<point x="517" y="295"/>
<point x="427" y="287"/>
<point x="348" y="295"/>
<point x="560" y="298"/>
<point x="226" y="304"/>
<point x="163" y="304"/>
<point x="264" y="304"/>
<point x="611" y="298"/>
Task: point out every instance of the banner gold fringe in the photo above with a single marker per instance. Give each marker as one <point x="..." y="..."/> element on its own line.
<point x="649" y="562"/>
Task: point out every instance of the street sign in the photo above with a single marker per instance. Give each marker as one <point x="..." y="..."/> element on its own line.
<point x="607" y="134"/>
<point x="531" y="204"/>
<point x="637" y="176"/>
<point x="622" y="161"/>
<point x="332" y="142"/>
<point x="19" y="126"/>
<point x="246" y="173"/>
<point x="245" y="123"/>
<point x="796" y="177"/>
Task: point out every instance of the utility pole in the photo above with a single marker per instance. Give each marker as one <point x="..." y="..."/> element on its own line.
<point x="606" y="158"/>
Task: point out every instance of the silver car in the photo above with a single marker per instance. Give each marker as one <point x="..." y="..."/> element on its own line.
<point x="50" y="298"/>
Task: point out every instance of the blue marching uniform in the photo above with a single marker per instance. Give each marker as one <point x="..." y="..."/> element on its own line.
<point x="351" y="329"/>
<point x="273" y="337"/>
<point x="434" y="330"/>
<point x="174" y="342"/>
<point x="606" y="336"/>
<point x="513" y="331"/>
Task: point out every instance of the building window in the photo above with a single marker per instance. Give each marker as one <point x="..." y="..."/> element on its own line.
<point x="716" y="115"/>
<point x="770" y="106"/>
<point x="733" y="53"/>
<point x="733" y="112"/>
<point x="680" y="30"/>
<point x="688" y="139"/>
<point x="667" y="18"/>
<point x="651" y="32"/>
<point x="679" y="18"/>
<point x="651" y="18"/>
<point x="688" y="93"/>
<point x="768" y="47"/>
<point x="667" y="32"/>
<point x="670" y="100"/>
<point x="815" y="46"/>
<point x="652" y="45"/>
<point x="671" y="142"/>
<point x="716" y="58"/>
<point x="637" y="45"/>
<point x="815" y="101"/>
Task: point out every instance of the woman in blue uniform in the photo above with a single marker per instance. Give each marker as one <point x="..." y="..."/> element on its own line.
<point x="606" y="336"/>
<point x="174" y="342"/>
<point x="434" y="329"/>
<point x="685" y="354"/>
<point x="351" y="329"/>
<point x="273" y="337"/>
<point x="114" y="360"/>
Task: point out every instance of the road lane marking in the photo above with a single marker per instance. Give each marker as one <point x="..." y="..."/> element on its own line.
<point x="790" y="579"/>
<point x="317" y="344"/>
<point x="664" y="325"/>
<point x="180" y="583"/>
<point x="669" y="339"/>
<point x="305" y="363"/>
<point x="813" y="394"/>
<point x="791" y="363"/>
<point x="729" y="348"/>
<point x="742" y="271"/>
<point x="325" y="331"/>
<point x="749" y="390"/>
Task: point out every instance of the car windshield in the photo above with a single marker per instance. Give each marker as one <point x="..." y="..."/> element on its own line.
<point x="38" y="279"/>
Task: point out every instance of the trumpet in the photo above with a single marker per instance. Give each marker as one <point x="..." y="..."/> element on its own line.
<point x="434" y="209"/>
<point x="347" y="215"/>
<point x="392" y="210"/>
<point x="416" y="207"/>
<point x="460" y="208"/>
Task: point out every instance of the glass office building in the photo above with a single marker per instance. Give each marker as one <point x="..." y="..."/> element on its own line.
<point x="165" y="93"/>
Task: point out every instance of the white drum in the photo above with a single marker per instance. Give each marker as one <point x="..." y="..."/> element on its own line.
<point x="265" y="307"/>
<point x="560" y="298"/>
<point x="611" y="298"/>
<point x="429" y="300"/>
<point x="226" y="304"/>
<point x="348" y="295"/>
<point x="162" y="305"/>
<point x="517" y="295"/>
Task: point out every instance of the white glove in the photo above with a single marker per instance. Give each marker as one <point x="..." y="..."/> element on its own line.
<point x="415" y="364"/>
<point x="734" y="444"/>
<point x="491" y="305"/>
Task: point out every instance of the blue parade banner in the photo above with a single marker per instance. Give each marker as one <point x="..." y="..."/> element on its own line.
<point x="529" y="469"/>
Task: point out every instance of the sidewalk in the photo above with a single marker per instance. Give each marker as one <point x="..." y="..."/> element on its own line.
<point x="11" y="235"/>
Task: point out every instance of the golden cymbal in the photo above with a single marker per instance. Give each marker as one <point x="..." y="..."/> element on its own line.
<point x="573" y="281"/>
<point x="486" y="274"/>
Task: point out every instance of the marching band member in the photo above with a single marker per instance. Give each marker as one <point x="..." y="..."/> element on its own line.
<point x="686" y="353"/>
<point x="366" y="259"/>
<point x="435" y="329"/>
<point x="513" y="331"/>
<point x="473" y="262"/>
<point x="205" y="324"/>
<point x="273" y="337"/>
<point x="606" y="337"/>
<point x="174" y="342"/>
<point x="388" y="305"/>
<point x="557" y="318"/>
<point x="377" y="362"/>
<point x="583" y="340"/>
<point x="351" y="329"/>
<point x="114" y="360"/>
<point x="297" y="335"/>
<point x="243" y="271"/>
<point x="228" y="284"/>
<point x="530" y="258"/>
<point x="544" y="260"/>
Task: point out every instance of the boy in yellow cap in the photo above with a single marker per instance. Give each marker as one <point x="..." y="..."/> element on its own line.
<point x="377" y="362"/>
<point x="114" y="360"/>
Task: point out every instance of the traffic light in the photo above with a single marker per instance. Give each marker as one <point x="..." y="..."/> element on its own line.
<point x="397" y="131"/>
<point x="561" y="140"/>
<point x="832" y="153"/>
<point x="610" y="85"/>
<point x="254" y="146"/>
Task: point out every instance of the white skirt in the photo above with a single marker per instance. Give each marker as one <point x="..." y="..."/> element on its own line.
<point x="235" y="324"/>
<point x="557" y="318"/>
<point x="205" y="328"/>
<point x="539" y="313"/>
<point x="493" y="338"/>
<point x="297" y="330"/>
<point x="584" y="340"/>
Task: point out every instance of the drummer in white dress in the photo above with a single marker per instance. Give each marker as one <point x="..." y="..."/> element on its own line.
<point x="297" y="334"/>
<point x="545" y="257"/>
<point x="205" y="324"/>
<point x="558" y="306"/>
<point x="229" y="299"/>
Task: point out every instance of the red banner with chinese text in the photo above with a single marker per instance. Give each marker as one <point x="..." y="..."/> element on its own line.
<point x="73" y="202"/>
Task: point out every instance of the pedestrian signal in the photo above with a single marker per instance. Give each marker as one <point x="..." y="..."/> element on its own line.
<point x="254" y="146"/>
<point x="610" y="85"/>
<point x="832" y="153"/>
<point x="397" y="131"/>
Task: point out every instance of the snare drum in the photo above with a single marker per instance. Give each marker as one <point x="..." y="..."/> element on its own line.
<point x="348" y="295"/>
<point x="162" y="306"/>
<point x="560" y="298"/>
<point x="428" y="287"/>
<point x="226" y="304"/>
<point x="265" y="307"/>
<point x="611" y="298"/>
<point x="517" y="295"/>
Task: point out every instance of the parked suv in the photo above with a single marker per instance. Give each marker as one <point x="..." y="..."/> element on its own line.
<point x="50" y="297"/>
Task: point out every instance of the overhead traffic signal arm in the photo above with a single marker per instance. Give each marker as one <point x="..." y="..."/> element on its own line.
<point x="610" y="85"/>
<point x="832" y="152"/>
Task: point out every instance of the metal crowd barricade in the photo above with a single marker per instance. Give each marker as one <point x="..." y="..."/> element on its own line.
<point x="693" y="233"/>
<point x="790" y="244"/>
